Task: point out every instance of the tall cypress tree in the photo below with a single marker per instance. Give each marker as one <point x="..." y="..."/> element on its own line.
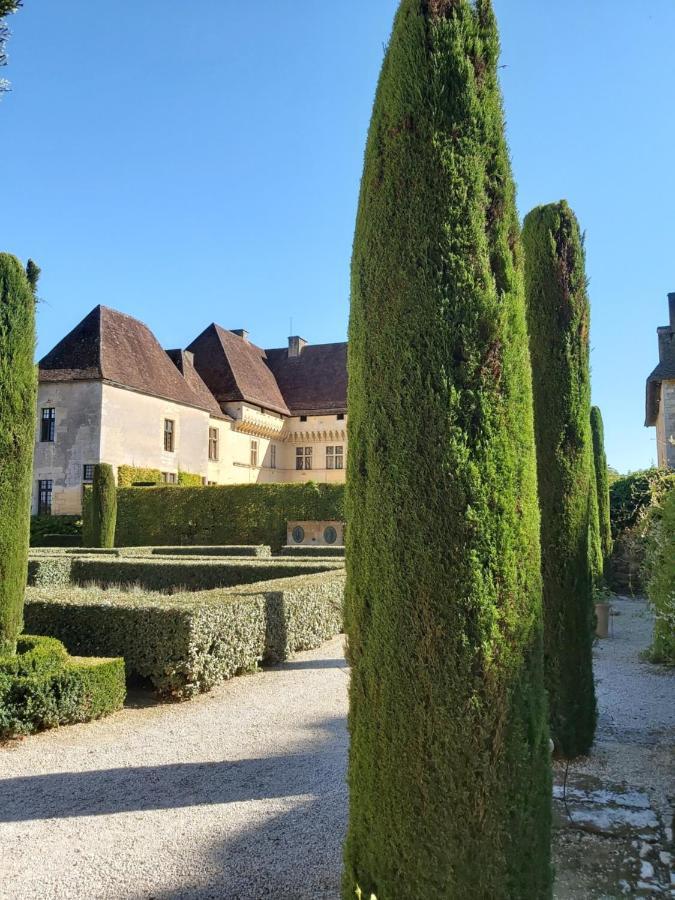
<point x="602" y="481"/>
<point x="559" y="318"/>
<point x="104" y="506"/>
<point x="18" y="386"/>
<point x="449" y="770"/>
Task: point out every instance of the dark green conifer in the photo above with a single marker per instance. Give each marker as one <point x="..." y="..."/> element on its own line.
<point x="559" y="319"/>
<point x="602" y="481"/>
<point x="103" y="506"/>
<point x="449" y="770"/>
<point x="18" y="385"/>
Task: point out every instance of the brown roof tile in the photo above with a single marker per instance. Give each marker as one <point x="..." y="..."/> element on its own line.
<point x="117" y="348"/>
<point x="313" y="382"/>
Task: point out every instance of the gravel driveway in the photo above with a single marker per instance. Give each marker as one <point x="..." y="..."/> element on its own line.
<point x="240" y="794"/>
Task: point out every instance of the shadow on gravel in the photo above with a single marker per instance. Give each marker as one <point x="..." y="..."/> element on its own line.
<point x="142" y="788"/>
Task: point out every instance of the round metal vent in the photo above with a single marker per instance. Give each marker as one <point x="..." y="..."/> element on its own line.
<point x="329" y="534"/>
<point x="298" y="534"/>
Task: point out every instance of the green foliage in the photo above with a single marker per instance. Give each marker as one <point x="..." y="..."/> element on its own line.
<point x="449" y="769"/>
<point x="259" y="550"/>
<point x="18" y="387"/>
<point x="33" y="274"/>
<point x="312" y="550"/>
<point x="6" y="8"/>
<point x="41" y="526"/>
<point x="103" y="506"/>
<point x="128" y="476"/>
<point x="602" y="481"/>
<point x="221" y="514"/>
<point x="187" y="643"/>
<point x="188" y="479"/>
<point x="632" y="499"/>
<point x="49" y="570"/>
<point x="559" y="319"/>
<point x="41" y="687"/>
<point x="661" y="585"/>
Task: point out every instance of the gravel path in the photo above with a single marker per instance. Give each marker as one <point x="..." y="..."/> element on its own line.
<point x="240" y="794"/>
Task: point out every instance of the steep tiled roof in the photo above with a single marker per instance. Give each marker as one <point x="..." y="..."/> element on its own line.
<point x="313" y="382"/>
<point x="185" y="365"/>
<point x="235" y="370"/>
<point x="665" y="371"/>
<point x="117" y="348"/>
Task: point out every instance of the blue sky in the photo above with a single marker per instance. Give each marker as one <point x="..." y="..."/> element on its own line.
<point x="187" y="163"/>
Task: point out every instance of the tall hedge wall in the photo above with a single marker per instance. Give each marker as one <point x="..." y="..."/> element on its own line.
<point x="449" y="769"/>
<point x="559" y="320"/>
<point x="18" y="386"/>
<point x="221" y="514"/>
<point x="103" y="506"/>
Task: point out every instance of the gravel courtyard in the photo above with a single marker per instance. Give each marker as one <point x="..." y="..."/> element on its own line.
<point x="240" y="794"/>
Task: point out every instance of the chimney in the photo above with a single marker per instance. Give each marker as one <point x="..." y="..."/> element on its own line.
<point x="295" y="345"/>
<point x="240" y="332"/>
<point x="671" y="310"/>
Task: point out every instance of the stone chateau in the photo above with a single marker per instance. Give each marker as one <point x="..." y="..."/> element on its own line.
<point x="661" y="392"/>
<point x="222" y="409"/>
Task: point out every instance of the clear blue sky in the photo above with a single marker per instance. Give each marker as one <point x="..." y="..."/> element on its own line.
<point x="187" y="163"/>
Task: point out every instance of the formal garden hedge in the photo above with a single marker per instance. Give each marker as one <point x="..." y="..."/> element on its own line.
<point x="312" y="550"/>
<point x="45" y="531"/>
<point x="129" y="476"/>
<point x="661" y="581"/>
<point x="186" y="643"/>
<point x="166" y="574"/>
<point x="257" y="551"/>
<point x="220" y="514"/>
<point x="42" y="686"/>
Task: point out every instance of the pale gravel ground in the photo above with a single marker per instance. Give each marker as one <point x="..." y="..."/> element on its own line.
<point x="240" y="794"/>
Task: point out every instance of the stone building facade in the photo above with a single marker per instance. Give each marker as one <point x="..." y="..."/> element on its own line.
<point x="222" y="409"/>
<point x="661" y="392"/>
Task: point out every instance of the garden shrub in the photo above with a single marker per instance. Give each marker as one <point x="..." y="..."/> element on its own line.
<point x="41" y="687"/>
<point x="661" y="583"/>
<point x="49" y="570"/>
<point x="449" y="764"/>
<point x="632" y="497"/>
<point x="186" y="643"/>
<point x="43" y="528"/>
<point x="602" y="481"/>
<point x="189" y="479"/>
<point x="18" y="393"/>
<point x="221" y="514"/>
<point x="310" y="550"/>
<point x="559" y="320"/>
<point x="128" y="476"/>
<point x="260" y="551"/>
<point x="103" y="506"/>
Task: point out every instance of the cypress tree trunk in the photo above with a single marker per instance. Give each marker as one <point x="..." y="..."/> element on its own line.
<point x="602" y="481"/>
<point x="18" y="387"/>
<point x="449" y="769"/>
<point x="558" y="316"/>
<point x="104" y="506"/>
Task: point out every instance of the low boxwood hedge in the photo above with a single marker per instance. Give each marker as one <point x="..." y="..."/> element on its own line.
<point x="312" y="550"/>
<point x="186" y="643"/>
<point x="261" y="551"/>
<point x="166" y="574"/>
<point x="42" y="686"/>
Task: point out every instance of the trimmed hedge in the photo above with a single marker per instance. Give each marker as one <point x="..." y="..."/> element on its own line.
<point x="168" y="574"/>
<point x="221" y="514"/>
<point x="62" y="540"/>
<point x="42" y="687"/>
<point x="103" y="506"/>
<point x="310" y="550"/>
<point x="260" y="551"/>
<point x="602" y="481"/>
<point x="189" y="479"/>
<point x="18" y="392"/>
<point x="187" y="643"/>
<point x="127" y="476"/>
<point x="42" y="527"/>
<point x="449" y="763"/>
<point x="661" y="584"/>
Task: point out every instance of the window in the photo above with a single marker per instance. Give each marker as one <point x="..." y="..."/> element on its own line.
<point x="88" y="472"/>
<point x="254" y="453"/>
<point x="340" y="417"/>
<point x="273" y="456"/>
<point x="303" y="458"/>
<point x="303" y="418"/>
<point x="48" y="425"/>
<point x="45" y="497"/>
<point x="169" y="435"/>
<point x="335" y="457"/>
<point x="213" y="444"/>
<point x="169" y="478"/>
